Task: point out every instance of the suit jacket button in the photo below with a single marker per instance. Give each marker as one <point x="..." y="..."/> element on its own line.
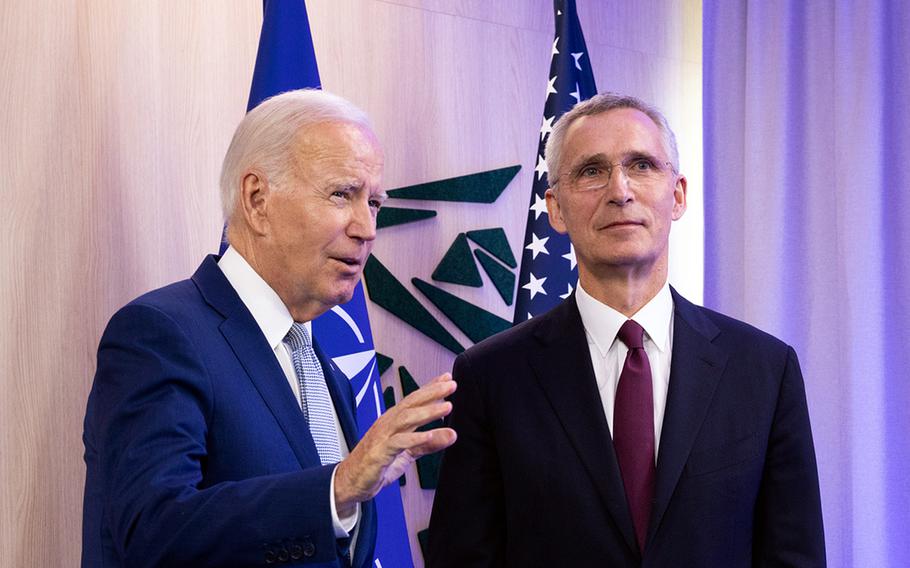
<point x="309" y="549"/>
<point x="269" y="556"/>
<point x="296" y="552"/>
<point x="283" y="555"/>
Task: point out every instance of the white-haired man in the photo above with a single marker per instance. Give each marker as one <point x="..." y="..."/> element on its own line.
<point x="217" y="433"/>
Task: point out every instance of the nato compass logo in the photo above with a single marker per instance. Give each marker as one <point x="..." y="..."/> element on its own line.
<point x="344" y="335"/>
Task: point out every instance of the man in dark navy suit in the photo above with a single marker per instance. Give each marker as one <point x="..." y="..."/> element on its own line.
<point x="626" y="427"/>
<point x="217" y="433"/>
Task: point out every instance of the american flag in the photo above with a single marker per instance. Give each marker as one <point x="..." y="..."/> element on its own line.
<point x="548" y="272"/>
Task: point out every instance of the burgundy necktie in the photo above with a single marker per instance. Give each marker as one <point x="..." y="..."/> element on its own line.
<point x="633" y="429"/>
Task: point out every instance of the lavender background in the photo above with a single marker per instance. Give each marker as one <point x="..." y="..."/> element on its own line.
<point x="807" y="175"/>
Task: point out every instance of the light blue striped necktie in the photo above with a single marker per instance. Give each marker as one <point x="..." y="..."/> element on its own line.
<point x="314" y="395"/>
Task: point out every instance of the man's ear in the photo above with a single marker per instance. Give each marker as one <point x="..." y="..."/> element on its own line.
<point x="554" y="212"/>
<point x="679" y="198"/>
<point x="252" y="202"/>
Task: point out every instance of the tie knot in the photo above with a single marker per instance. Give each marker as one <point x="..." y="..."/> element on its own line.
<point x="632" y="335"/>
<point x="298" y="337"/>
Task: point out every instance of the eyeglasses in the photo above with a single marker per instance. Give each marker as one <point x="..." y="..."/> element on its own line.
<point x="594" y="176"/>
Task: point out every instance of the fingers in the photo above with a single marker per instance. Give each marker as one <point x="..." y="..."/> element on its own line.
<point x="415" y="417"/>
<point x="419" y="408"/>
<point x="392" y="441"/>
<point x="419" y="444"/>
<point x="388" y="433"/>
<point x="437" y="389"/>
<point x="362" y="474"/>
<point x="441" y="378"/>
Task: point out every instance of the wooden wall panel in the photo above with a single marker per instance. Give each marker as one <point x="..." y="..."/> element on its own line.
<point x="114" y="117"/>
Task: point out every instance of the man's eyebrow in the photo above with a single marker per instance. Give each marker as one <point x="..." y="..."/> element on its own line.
<point x="598" y="158"/>
<point x="349" y="183"/>
<point x="641" y="154"/>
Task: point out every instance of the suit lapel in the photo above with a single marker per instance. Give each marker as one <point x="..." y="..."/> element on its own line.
<point x="255" y="355"/>
<point x="563" y="369"/>
<point x="696" y="367"/>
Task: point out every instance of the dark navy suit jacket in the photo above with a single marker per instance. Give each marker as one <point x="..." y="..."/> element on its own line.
<point x="533" y="478"/>
<point x="197" y="453"/>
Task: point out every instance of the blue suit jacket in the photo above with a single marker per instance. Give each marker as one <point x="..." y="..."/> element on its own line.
<point x="533" y="478"/>
<point x="197" y="453"/>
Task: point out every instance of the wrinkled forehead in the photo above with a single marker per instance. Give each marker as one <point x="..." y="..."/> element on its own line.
<point x="338" y="144"/>
<point x="615" y="134"/>
<point x="350" y="137"/>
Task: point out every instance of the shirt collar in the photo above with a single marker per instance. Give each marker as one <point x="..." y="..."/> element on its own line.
<point x="270" y="313"/>
<point x="602" y="322"/>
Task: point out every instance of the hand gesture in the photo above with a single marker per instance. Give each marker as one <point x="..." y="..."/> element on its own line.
<point x="392" y="443"/>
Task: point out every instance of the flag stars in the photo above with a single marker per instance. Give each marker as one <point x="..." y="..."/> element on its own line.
<point x="540" y="207"/>
<point x="550" y="265"/>
<point x="577" y="56"/>
<point x="535" y="285"/>
<point x="537" y="246"/>
<point x="570" y="256"/>
<point x="546" y="127"/>
<point x="541" y="168"/>
<point x="575" y="94"/>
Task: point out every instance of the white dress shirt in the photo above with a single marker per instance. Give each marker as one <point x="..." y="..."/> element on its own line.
<point x="275" y="321"/>
<point x="608" y="353"/>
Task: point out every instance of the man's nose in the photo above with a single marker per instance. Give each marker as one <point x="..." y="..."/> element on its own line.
<point x="363" y="222"/>
<point x="618" y="189"/>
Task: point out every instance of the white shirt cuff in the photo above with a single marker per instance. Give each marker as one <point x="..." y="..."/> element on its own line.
<point x="343" y="527"/>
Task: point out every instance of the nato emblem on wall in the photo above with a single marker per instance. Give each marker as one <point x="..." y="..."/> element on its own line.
<point x="459" y="265"/>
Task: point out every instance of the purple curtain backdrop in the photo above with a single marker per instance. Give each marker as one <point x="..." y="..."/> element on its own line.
<point x="807" y="233"/>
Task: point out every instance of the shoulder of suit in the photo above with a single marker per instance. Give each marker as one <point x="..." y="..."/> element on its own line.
<point x="179" y="303"/>
<point x="171" y="297"/>
<point x="739" y="333"/>
<point x="519" y="338"/>
<point x="176" y="297"/>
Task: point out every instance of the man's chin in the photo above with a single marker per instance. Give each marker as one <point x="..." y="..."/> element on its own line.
<point x="344" y="294"/>
<point x="627" y="258"/>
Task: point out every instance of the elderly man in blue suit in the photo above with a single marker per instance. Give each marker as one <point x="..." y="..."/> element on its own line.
<point x="626" y="427"/>
<point x="217" y="433"/>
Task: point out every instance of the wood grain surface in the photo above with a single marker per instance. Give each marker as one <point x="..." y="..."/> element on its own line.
<point x="114" y="117"/>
